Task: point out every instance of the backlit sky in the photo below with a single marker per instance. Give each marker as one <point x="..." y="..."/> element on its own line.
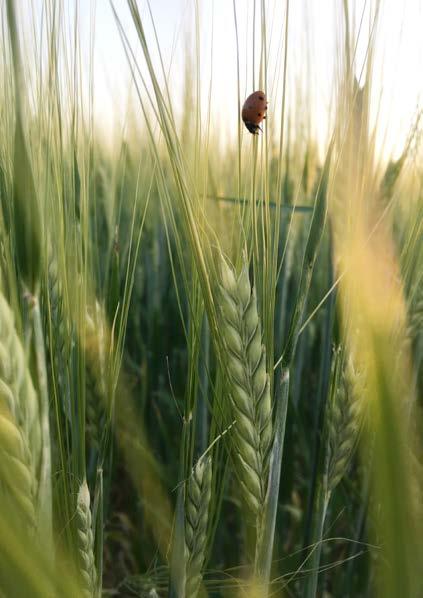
<point x="315" y="29"/>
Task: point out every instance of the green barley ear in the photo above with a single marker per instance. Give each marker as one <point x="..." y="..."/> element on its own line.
<point x="85" y="542"/>
<point x="20" y="433"/>
<point x="58" y="333"/>
<point x="249" y="382"/>
<point x="196" y="515"/>
<point x="343" y="420"/>
<point x="96" y="372"/>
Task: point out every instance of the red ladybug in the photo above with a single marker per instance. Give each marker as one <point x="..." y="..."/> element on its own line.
<point x="254" y="111"/>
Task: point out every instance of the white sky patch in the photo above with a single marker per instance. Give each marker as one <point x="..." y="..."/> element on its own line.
<point x="315" y="29"/>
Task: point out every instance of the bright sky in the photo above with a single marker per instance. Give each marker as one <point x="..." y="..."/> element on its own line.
<point x="315" y="29"/>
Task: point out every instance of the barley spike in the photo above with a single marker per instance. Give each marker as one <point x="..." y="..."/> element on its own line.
<point x="85" y="542"/>
<point x="196" y="513"/>
<point x="249" y="383"/>
<point x="343" y="423"/>
<point x="20" y="434"/>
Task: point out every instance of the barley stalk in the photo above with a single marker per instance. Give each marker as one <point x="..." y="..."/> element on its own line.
<point x="196" y="515"/>
<point x="20" y="433"/>
<point x="85" y="542"/>
<point x="342" y="427"/>
<point x="44" y="498"/>
<point x="249" y="383"/>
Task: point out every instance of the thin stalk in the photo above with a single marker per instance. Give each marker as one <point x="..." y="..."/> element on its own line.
<point x="45" y="492"/>
<point x="177" y="581"/>
<point x="320" y="402"/>
<point x="318" y="523"/>
<point x="177" y="564"/>
<point x="98" y="530"/>
<point x="265" y="540"/>
<point x="239" y="101"/>
<point x="204" y="364"/>
<point x="358" y="537"/>
<point x="272" y="204"/>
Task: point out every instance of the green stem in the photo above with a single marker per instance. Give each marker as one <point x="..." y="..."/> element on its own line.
<point x="318" y="524"/>
<point x="45" y="492"/>
<point x="177" y="580"/>
<point x="204" y="365"/>
<point x="266" y="536"/>
<point x="321" y="396"/>
<point x="98" y="519"/>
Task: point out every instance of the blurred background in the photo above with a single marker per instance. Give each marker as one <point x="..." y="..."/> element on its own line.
<point x="315" y="33"/>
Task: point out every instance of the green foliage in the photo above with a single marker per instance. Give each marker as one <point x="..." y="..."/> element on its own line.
<point x="169" y="304"/>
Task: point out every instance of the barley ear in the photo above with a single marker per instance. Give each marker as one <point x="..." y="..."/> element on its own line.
<point x="20" y="434"/>
<point x="59" y="334"/>
<point x="85" y="542"/>
<point x="95" y="353"/>
<point x="196" y="515"/>
<point x="343" y="421"/>
<point x="249" y="386"/>
<point x="342" y="426"/>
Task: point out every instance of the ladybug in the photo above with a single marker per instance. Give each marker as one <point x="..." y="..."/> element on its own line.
<point x="254" y="111"/>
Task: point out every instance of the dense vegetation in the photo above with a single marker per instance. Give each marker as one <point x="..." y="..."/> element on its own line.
<point x="210" y="359"/>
